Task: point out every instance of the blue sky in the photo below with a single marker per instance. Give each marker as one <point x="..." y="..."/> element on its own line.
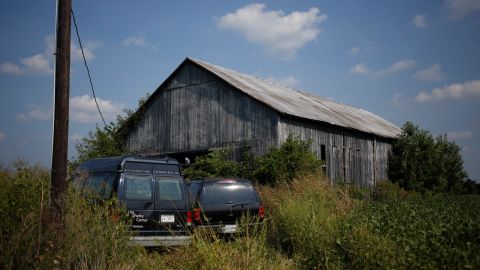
<point x="403" y="60"/>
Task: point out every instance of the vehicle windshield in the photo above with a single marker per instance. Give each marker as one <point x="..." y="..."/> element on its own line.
<point x="223" y="193"/>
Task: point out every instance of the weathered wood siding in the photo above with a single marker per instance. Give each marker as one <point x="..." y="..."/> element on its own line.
<point x="350" y="156"/>
<point x="194" y="111"/>
<point x="383" y="149"/>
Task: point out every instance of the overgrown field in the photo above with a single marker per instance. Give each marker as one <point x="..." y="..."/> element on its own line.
<point x="311" y="224"/>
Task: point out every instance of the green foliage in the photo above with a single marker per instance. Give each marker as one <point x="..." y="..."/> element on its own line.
<point x="216" y="163"/>
<point x="310" y="225"/>
<point x="210" y="251"/>
<point x="28" y="241"/>
<point x="321" y="226"/>
<point x="306" y="216"/>
<point x="420" y="162"/>
<point x="421" y="232"/>
<point x="282" y="164"/>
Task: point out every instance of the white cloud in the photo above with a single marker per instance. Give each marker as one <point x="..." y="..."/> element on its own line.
<point x="84" y="110"/>
<point x="360" y="69"/>
<point x="11" y="69"/>
<point x="35" y="113"/>
<point x="365" y="46"/>
<point x="460" y="8"/>
<point x="37" y="64"/>
<point x="138" y="40"/>
<point x="88" y="50"/>
<point x="289" y="81"/>
<point x="3" y="136"/>
<point x="401" y="65"/>
<point x="354" y="50"/>
<point x="431" y="74"/>
<point x="397" y="67"/>
<point x="459" y="135"/>
<point x="41" y="63"/>
<point x="469" y="89"/>
<point x="419" y="21"/>
<point x="282" y="34"/>
<point x="397" y="100"/>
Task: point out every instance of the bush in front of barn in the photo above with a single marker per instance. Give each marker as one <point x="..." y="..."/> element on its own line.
<point x="278" y="164"/>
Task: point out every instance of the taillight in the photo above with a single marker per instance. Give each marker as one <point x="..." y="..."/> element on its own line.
<point x="261" y="212"/>
<point x="197" y="214"/>
<point x="189" y="218"/>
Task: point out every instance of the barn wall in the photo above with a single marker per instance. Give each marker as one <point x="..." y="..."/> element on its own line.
<point x="383" y="149"/>
<point x="194" y="111"/>
<point x="350" y="156"/>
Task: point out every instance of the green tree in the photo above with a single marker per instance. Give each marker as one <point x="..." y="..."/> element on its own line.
<point x="111" y="140"/>
<point x="420" y="162"/>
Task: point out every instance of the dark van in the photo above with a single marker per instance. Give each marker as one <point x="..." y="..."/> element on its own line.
<point x="221" y="202"/>
<point x="153" y="192"/>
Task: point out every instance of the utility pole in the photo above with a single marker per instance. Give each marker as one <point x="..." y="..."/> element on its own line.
<point x="60" y="118"/>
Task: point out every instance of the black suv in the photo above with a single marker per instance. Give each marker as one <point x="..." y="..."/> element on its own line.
<point x="152" y="190"/>
<point x="220" y="202"/>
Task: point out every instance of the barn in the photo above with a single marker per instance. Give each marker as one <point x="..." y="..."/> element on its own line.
<point x="201" y="107"/>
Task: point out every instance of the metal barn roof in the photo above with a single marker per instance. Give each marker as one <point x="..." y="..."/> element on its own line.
<point x="305" y="105"/>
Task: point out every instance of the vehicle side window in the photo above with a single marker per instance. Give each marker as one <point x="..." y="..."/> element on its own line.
<point x="169" y="189"/>
<point x="101" y="184"/>
<point x="138" y="188"/>
<point x="79" y="180"/>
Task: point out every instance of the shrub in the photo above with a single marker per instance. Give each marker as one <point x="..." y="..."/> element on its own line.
<point x="294" y="157"/>
<point x="218" y="163"/>
<point x="282" y="164"/>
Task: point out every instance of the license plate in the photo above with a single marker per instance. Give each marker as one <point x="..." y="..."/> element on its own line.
<point x="167" y="218"/>
<point x="229" y="228"/>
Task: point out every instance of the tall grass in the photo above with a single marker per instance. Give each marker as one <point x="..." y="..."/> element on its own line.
<point x="336" y="227"/>
<point x="210" y="251"/>
<point x="310" y="225"/>
<point x="27" y="240"/>
<point x="306" y="218"/>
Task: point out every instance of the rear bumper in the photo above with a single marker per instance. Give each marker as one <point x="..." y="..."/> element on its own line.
<point x="165" y="240"/>
<point x="225" y="229"/>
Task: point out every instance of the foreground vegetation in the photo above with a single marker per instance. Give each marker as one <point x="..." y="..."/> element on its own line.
<point x="310" y="224"/>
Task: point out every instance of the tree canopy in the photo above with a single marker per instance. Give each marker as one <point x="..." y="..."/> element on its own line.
<point x="421" y="162"/>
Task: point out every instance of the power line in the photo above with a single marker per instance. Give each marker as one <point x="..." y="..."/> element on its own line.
<point x="86" y="66"/>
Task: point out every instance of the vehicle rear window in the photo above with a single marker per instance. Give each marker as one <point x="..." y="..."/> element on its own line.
<point x="138" y="188"/>
<point x="169" y="189"/>
<point x="221" y="193"/>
